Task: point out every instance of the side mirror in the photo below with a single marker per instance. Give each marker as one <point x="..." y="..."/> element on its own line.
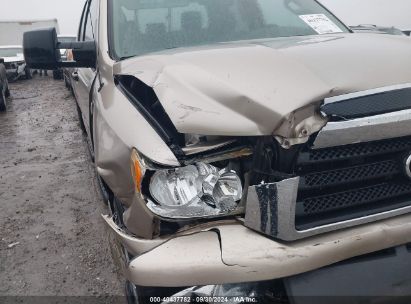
<point x="41" y="51"/>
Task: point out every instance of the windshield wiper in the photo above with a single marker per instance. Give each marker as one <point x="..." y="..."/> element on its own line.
<point x="126" y="57"/>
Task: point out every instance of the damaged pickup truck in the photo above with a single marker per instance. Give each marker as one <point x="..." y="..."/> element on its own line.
<point x="14" y="62"/>
<point x="269" y="146"/>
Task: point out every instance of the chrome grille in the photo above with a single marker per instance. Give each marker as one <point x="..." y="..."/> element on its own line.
<point x="350" y="174"/>
<point x="354" y="151"/>
<point x="345" y="182"/>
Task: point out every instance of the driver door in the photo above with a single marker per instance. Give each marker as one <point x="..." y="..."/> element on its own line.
<point x="82" y="78"/>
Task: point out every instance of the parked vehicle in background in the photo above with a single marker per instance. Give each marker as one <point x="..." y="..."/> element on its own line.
<point x="245" y="147"/>
<point x="59" y="72"/>
<point x="65" y="53"/>
<point x="11" y="31"/>
<point x="384" y="13"/>
<point x="4" y="86"/>
<point x="371" y="28"/>
<point x="65" y="39"/>
<point x="14" y="62"/>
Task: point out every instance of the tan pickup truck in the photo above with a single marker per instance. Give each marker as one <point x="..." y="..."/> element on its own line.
<point x="252" y="148"/>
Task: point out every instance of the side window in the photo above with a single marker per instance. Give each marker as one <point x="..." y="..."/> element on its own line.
<point x="92" y="21"/>
<point x="89" y="33"/>
<point x="82" y="22"/>
<point x="95" y="14"/>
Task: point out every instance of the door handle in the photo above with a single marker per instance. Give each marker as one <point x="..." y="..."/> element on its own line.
<point x="74" y="75"/>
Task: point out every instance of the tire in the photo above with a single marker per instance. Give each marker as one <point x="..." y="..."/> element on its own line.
<point x="134" y="294"/>
<point x="83" y="129"/>
<point x="117" y="209"/>
<point x="57" y="74"/>
<point x="28" y="73"/>
<point x="7" y="93"/>
<point x="2" y="101"/>
<point x="131" y="294"/>
<point x="91" y="135"/>
<point x="141" y="295"/>
<point x="104" y="189"/>
<point x="66" y="83"/>
<point x="80" y="118"/>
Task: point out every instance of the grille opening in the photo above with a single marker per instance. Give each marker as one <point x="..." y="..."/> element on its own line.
<point x="317" y="182"/>
<point x="348" y="182"/>
<point x="351" y="152"/>
<point x="303" y="169"/>
<point x="354" y="212"/>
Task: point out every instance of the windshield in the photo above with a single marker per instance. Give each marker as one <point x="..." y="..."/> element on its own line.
<point x="143" y="26"/>
<point x="10" y="52"/>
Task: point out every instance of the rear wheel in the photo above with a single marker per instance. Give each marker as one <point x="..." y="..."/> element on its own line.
<point x="57" y="74"/>
<point x="80" y="117"/>
<point x="2" y="101"/>
<point x="66" y="83"/>
<point x="28" y="73"/>
<point x="7" y="93"/>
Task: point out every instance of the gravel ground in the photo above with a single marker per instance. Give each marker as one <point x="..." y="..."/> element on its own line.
<point x="53" y="239"/>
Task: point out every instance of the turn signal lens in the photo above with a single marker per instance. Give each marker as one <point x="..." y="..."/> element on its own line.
<point x="137" y="170"/>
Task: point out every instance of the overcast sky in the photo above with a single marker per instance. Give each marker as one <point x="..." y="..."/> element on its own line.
<point x="67" y="12"/>
<point x="352" y="12"/>
<point x="381" y="12"/>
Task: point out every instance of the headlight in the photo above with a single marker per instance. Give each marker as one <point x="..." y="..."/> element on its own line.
<point x="194" y="191"/>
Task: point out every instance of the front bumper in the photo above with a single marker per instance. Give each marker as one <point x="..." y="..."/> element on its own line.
<point x="232" y="253"/>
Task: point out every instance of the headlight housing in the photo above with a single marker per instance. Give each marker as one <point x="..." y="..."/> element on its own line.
<point x="200" y="190"/>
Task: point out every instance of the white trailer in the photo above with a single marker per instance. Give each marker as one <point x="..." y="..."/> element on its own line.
<point x="11" y="31"/>
<point x="385" y="13"/>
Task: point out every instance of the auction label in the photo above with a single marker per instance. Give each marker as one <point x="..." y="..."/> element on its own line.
<point x="203" y="299"/>
<point x="321" y="24"/>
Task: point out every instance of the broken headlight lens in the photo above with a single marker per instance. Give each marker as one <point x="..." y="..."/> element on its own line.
<point x="199" y="190"/>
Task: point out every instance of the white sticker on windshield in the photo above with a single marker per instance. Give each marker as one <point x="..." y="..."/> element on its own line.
<point x="321" y="23"/>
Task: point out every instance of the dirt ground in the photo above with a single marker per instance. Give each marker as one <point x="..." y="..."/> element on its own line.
<point x="53" y="240"/>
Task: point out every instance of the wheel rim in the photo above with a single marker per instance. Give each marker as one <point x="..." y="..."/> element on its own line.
<point x="131" y="293"/>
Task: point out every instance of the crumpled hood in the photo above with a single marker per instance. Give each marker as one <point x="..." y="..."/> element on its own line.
<point x="249" y="88"/>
